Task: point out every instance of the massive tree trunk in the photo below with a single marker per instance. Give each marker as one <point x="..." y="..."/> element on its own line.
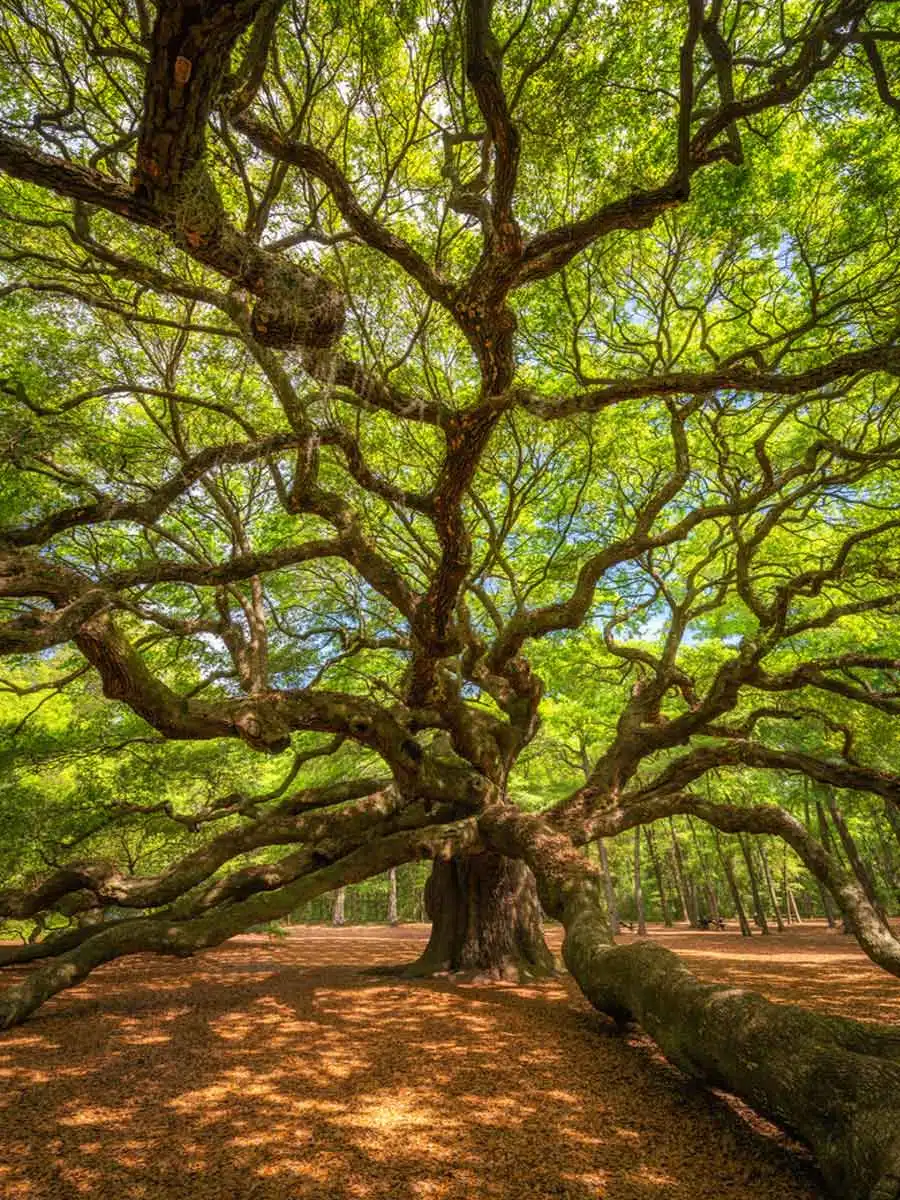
<point x="833" y="1082"/>
<point x="485" y="917"/>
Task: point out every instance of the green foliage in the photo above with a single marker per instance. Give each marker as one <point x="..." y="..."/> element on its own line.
<point x="694" y="504"/>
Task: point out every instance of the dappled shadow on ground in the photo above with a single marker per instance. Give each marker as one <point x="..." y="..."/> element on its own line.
<point x="279" y="1070"/>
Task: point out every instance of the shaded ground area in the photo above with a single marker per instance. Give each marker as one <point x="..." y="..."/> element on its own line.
<point x="275" y="1070"/>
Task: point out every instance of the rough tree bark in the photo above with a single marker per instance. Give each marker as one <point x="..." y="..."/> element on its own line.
<point x="833" y="1082"/>
<point x="485" y="917"/>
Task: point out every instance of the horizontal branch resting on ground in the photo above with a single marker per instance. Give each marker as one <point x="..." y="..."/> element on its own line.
<point x="833" y="1082"/>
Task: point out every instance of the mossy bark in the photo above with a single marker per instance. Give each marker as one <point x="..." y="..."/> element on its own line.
<point x="835" y="1083"/>
<point x="486" y="918"/>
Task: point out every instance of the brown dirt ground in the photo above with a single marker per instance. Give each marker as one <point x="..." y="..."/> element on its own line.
<point x="277" y="1070"/>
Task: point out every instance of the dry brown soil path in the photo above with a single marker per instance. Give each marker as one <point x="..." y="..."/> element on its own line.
<point x="276" y="1070"/>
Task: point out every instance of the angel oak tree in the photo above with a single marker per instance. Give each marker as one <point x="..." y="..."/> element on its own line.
<point x="354" y="354"/>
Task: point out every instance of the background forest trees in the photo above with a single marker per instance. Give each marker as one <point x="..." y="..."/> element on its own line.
<point x="382" y="379"/>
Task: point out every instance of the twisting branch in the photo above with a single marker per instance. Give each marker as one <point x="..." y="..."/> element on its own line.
<point x="484" y="64"/>
<point x="737" y="377"/>
<point x="319" y="165"/>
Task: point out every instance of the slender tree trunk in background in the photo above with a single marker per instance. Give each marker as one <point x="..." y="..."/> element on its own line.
<point x="638" y="891"/>
<point x="612" y="906"/>
<point x="795" y="912"/>
<point x="681" y="913"/>
<point x="828" y="906"/>
<point x="770" y="886"/>
<point x="392" y="897"/>
<point x="828" y="842"/>
<point x="713" y="901"/>
<point x="878" y="854"/>
<point x="893" y="815"/>
<point x="825" y="839"/>
<point x="694" y="898"/>
<point x="860" y="869"/>
<point x="824" y="898"/>
<point x="608" y="887"/>
<point x="727" y="867"/>
<point x="834" y="1083"/>
<point x="890" y="856"/>
<point x="759" y="910"/>
<point x="678" y="862"/>
<point x="888" y="860"/>
<point x="785" y="886"/>
<point x="485" y="917"/>
<point x="790" y="903"/>
<point x="657" y="871"/>
<point x="710" y="882"/>
<point x="337" y="912"/>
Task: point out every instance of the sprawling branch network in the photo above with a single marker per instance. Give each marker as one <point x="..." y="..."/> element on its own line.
<point x="380" y="409"/>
